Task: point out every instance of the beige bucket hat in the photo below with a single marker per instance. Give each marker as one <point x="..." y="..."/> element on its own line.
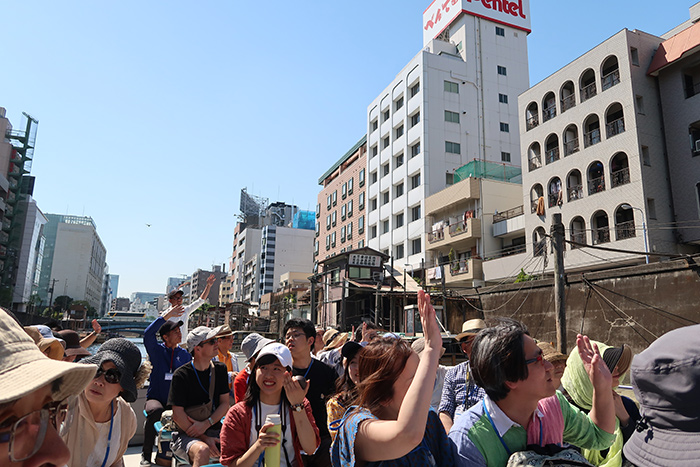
<point x="471" y="328"/>
<point x="24" y="368"/>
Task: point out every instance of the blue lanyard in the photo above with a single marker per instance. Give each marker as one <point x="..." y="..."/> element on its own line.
<point x="200" y="383"/>
<point x="309" y="368"/>
<point x="109" y="437"/>
<point x="483" y="401"/>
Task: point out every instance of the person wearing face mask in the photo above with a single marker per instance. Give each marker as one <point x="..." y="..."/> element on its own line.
<point x="104" y="421"/>
<point x="36" y="395"/>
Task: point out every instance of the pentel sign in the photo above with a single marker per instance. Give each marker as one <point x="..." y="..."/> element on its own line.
<point x="441" y="13"/>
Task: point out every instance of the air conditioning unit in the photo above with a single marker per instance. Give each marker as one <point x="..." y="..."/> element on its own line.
<point x="697" y="145"/>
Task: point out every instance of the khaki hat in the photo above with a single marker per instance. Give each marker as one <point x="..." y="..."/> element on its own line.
<point x="225" y="331"/>
<point x="52" y="348"/>
<point x="334" y="339"/>
<point x="551" y="354"/>
<point x="24" y="368"/>
<point x="471" y="328"/>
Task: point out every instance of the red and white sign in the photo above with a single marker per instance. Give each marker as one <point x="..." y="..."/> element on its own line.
<point x="440" y="13"/>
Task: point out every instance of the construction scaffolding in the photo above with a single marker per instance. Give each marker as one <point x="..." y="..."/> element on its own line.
<point x="491" y="170"/>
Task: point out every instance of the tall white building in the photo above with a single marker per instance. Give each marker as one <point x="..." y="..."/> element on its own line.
<point x="31" y="254"/>
<point x="454" y="102"/>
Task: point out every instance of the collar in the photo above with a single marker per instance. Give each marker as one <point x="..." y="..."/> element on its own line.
<point x="224" y="357"/>
<point x="502" y="422"/>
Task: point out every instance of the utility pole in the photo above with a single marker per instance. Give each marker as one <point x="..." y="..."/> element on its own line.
<point x="376" y="304"/>
<point x="53" y="283"/>
<point x="557" y="232"/>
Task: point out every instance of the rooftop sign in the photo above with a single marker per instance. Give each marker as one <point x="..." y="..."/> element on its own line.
<point x="441" y="13"/>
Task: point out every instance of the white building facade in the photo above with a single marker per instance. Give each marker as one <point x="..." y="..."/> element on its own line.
<point x="454" y="102"/>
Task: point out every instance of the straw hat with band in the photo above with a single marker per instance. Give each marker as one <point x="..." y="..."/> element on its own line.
<point x="225" y="331"/>
<point x="126" y="357"/>
<point x="551" y="354"/>
<point x="334" y="339"/>
<point x="471" y="328"/>
<point x="24" y="368"/>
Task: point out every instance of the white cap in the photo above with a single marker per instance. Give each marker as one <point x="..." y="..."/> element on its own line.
<point x="278" y="350"/>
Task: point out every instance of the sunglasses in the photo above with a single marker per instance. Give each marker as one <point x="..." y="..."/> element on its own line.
<point x="112" y="376"/>
<point x="211" y="341"/>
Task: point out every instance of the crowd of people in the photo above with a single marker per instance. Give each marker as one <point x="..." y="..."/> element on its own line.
<point x="324" y="397"/>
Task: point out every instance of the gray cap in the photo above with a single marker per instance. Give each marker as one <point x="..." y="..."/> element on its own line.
<point x="249" y="343"/>
<point x="259" y="346"/>
<point x="199" y="335"/>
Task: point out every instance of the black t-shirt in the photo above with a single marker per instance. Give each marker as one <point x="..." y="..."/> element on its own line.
<point x="190" y="387"/>
<point x="321" y="386"/>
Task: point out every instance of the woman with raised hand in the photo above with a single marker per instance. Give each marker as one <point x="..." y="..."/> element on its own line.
<point x="393" y="424"/>
<point x="104" y="421"/>
<point x="271" y="390"/>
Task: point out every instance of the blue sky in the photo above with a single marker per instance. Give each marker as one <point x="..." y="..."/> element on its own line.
<point x="155" y="112"/>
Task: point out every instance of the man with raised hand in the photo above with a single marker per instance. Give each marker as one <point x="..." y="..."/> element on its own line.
<point x="508" y="364"/>
<point x="183" y="313"/>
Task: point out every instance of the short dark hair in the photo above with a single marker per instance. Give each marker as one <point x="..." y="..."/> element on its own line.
<point x="303" y="324"/>
<point x="498" y="356"/>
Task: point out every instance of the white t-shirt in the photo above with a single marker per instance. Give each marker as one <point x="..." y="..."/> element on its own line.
<point x="288" y="444"/>
<point x="97" y="456"/>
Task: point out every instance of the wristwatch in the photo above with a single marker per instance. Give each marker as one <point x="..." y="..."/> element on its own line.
<point x="298" y="407"/>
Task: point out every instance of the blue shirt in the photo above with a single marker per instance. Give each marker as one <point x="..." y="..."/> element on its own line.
<point x="459" y="392"/>
<point x="164" y="360"/>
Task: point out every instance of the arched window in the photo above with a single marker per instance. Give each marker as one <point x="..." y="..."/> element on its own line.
<point x="610" y="73"/>
<point x="577" y="231"/>
<point x="531" y="116"/>
<point x="534" y="156"/>
<point x="570" y="139"/>
<point x="539" y="242"/>
<point x="556" y="195"/>
<point x="587" y="84"/>
<point x="536" y="192"/>
<point x="619" y="170"/>
<point x="600" y="227"/>
<point x="596" y="178"/>
<point x="591" y="131"/>
<point x="614" y="120"/>
<point x="549" y="107"/>
<point x="624" y="222"/>
<point x="574" y="185"/>
<point x="551" y="147"/>
<point x="567" y="96"/>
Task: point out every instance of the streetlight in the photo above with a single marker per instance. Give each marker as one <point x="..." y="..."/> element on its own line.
<point x="644" y="227"/>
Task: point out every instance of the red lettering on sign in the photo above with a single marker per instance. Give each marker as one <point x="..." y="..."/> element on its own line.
<point x="513" y="8"/>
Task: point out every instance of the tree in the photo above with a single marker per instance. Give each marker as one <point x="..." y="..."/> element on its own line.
<point x="62" y="302"/>
<point x="524" y="277"/>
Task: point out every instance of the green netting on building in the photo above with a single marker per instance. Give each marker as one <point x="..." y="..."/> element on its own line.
<point x="490" y="170"/>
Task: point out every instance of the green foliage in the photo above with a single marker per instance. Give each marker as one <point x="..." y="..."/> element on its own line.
<point x="62" y="302"/>
<point x="524" y="277"/>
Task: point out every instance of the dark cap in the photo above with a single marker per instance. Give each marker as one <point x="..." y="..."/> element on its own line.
<point x="666" y="381"/>
<point x="350" y="349"/>
<point x="169" y="326"/>
<point x="175" y="293"/>
<point x="72" y="339"/>
<point x="619" y="357"/>
<point x="126" y="357"/>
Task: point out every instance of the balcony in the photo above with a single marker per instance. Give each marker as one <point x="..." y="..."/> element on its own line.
<point x="596" y="185"/>
<point x="552" y="155"/>
<point x="578" y="237"/>
<point x="455" y="234"/>
<point x="615" y="128"/>
<point x="591" y="138"/>
<point x="568" y="102"/>
<point x="457" y="271"/>
<point x="574" y="192"/>
<point x="555" y="199"/>
<point x="611" y="79"/>
<point x="625" y="230"/>
<point x="6" y="224"/>
<point x="436" y="236"/>
<point x="509" y="222"/>
<point x="588" y="92"/>
<point x="549" y="113"/>
<point x="621" y="177"/>
<point x="509" y="214"/>
<point x="601" y="235"/>
<point x="531" y="123"/>
<point x="570" y="147"/>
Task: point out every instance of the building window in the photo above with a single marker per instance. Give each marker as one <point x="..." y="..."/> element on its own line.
<point x="374" y="125"/>
<point x="415" y="246"/>
<point x="343" y="212"/>
<point x="500" y="31"/>
<point x="385" y="116"/>
<point x="361" y="224"/>
<point x="452" y="117"/>
<point x="361" y="201"/>
<point x="375" y="150"/>
<point x="344" y="191"/>
<point x="373" y="231"/>
<point x="329" y="202"/>
<point x="646" y="159"/>
<point x="385" y="170"/>
<point x="415" y="149"/>
<point x="373" y="177"/>
<point x="318" y="228"/>
<point x="316" y="247"/>
<point x="328" y="242"/>
<point x="415" y="213"/>
<point x="385" y="198"/>
<point x="373" y="204"/>
<point x="651" y="208"/>
<point x="502" y="98"/>
<point x="328" y="222"/>
<point x="351" y="182"/>
<point x="459" y="46"/>
<point x="398" y="252"/>
<point x="385" y="143"/>
<point x="502" y="70"/>
<point x="350" y="208"/>
<point x="634" y="56"/>
<point x="398" y="104"/>
<point x="349" y="231"/>
<point x="398" y="220"/>
<point x="398" y="161"/>
<point x="333" y="240"/>
<point x="342" y="234"/>
<point x="449" y="178"/>
<point x="334" y="218"/>
<point x="505" y="156"/>
<point x="385" y="226"/>
<point x="335" y="197"/>
<point x="362" y="178"/>
<point x="415" y="181"/>
<point x="398" y="190"/>
<point x="415" y="119"/>
<point x="505" y="127"/>
<point x="452" y="148"/>
<point x="451" y="87"/>
<point x="318" y="213"/>
<point x="361" y="244"/>
<point x="398" y="132"/>
<point x="415" y="89"/>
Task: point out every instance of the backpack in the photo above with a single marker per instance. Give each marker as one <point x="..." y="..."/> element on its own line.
<point x="563" y="458"/>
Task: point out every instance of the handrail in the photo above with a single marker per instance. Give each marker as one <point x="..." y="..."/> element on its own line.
<point x="509" y="214"/>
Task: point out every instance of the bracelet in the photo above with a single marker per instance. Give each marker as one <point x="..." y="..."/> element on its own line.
<point x="298" y="407"/>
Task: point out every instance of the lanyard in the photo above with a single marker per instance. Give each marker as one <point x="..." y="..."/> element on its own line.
<point x="483" y="401"/>
<point x="309" y="368"/>
<point x="283" y="439"/>
<point x="200" y="383"/>
<point x="109" y="437"/>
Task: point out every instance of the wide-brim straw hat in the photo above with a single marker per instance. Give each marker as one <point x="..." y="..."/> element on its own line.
<point x="52" y="348"/>
<point x="551" y="354"/>
<point x="24" y="368"/>
<point x="471" y="328"/>
<point x="334" y="339"/>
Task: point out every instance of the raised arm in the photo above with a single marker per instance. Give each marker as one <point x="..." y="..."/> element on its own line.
<point x="379" y="440"/>
<point x="210" y="281"/>
<point x="88" y="340"/>
<point x="603" y="408"/>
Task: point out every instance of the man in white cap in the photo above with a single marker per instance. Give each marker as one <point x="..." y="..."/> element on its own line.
<point x="199" y="398"/>
<point x="35" y="395"/>
<point x="459" y="392"/>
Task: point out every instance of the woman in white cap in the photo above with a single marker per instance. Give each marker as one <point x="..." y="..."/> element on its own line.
<point x="271" y="390"/>
<point x="36" y="394"/>
<point x="104" y="421"/>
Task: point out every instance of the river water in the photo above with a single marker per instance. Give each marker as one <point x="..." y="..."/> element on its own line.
<point x="136" y="340"/>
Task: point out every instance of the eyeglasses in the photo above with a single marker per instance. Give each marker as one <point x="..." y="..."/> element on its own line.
<point x="27" y="434"/>
<point x="112" y="376"/>
<point x="294" y="335"/>
<point x="211" y="341"/>
<point x="538" y="359"/>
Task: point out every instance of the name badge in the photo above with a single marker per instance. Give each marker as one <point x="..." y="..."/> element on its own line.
<point x="168" y="376"/>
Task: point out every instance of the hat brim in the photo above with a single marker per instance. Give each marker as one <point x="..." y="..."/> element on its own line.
<point x="127" y="381"/>
<point x="27" y="378"/>
<point x="655" y="446"/>
<point x="259" y="346"/>
<point x="350" y="349"/>
<point x="70" y="351"/>
<point x="464" y="334"/>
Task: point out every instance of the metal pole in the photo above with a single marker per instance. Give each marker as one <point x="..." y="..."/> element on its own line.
<point x="644" y="229"/>
<point x="557" y="231"/>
